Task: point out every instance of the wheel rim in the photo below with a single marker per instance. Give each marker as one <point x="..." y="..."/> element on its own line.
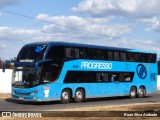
<point x="141" y="91"/>
<point x="65" y="95"/>
<point x="133" y="93"/>
<point x="78" y="95"/>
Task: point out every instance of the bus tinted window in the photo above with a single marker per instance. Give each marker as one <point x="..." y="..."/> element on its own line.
<point x="72" y="53"/>
<point x="123" y="56"/>
<point x="75" y="77"/>
<point x="32" y="53"/>
<point x="96" y="77"/>
<point x="56" y="52"/>
<point x="136" y="57"/>
<point x="82" y="53"/>
<point x="116" y="56"/>
<point x="143" y="57"/>
<point x="92" y="53"/>
<point x="152" y="58"/>
<point x="99" y="54"/>
<point x="110" y="55"/>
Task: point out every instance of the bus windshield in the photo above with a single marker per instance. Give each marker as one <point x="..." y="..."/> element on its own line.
<point x="25" y="77"/>
<point x="31" y="53"/>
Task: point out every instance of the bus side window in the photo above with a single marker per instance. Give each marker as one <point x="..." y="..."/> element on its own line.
<point x="67" y="52"/>
<point x="106" y="77"/>
<point x="152" y="58"/>
<point x="100" y="77"/>
<point x="129" y="57"/>
<point x="143" y="57"/>
<point x="91" y="77"/>
<point x="110" y="55"/>
<point x="56" y="52"/>
<point x="82" y="53"/>
<point x="128" y="77"/>
<point x="92" y="54"/>
<point x="104" y="55"/>
<point x="123" y="56"/>
<point x="136" y="57"/>
<point x="116" y="55"/>
<point x="77" y="53"/>
<point x="121" y="77"/>
<point x="72" y="53"/>
<point x="115" y="77"/>
<point x="146" y="57"/>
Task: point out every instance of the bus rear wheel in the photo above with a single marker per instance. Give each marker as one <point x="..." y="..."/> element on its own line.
<point x="141" y="92"/>
<point x="79" y="96"/>
<point x="133" y="92"/>
<point x="65" y="96"/>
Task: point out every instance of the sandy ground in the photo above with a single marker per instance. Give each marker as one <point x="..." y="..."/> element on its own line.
<point x="134" y="111"/>
<point x="4" y="96"/>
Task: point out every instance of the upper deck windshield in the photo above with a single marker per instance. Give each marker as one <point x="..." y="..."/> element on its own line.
<point x="31" y="53"/>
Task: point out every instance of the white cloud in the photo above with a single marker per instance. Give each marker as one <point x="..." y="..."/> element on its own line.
<point x="129" y="8"/>
<point x="2" y="45"/>
<point x="84" y="27"/>
<point x="15" y="38"/>
<point x="95" y="25"/>
<point x="17" y="34"/>
<point x="12" y="39"/>
<point x="153" y="22"/>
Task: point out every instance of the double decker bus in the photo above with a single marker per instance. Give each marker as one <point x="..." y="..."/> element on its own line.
<point x="49" y="71"/>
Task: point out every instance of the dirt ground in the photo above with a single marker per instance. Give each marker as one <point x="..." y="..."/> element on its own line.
<point x="145" y="111"/>
<point x="3" y="96"/>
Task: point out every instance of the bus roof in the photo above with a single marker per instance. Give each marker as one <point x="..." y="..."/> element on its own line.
<point x="49" y="43"/>
<point x="76" y="45"/>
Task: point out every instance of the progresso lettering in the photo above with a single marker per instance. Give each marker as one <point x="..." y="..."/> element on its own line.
<point x="96" y="65"/>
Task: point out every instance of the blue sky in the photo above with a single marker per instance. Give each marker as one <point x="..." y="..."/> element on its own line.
<point x="135" y="23"/>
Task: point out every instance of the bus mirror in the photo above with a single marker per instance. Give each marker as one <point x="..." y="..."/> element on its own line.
<point x="6" y="63"/>
<point x="4" y="67"/>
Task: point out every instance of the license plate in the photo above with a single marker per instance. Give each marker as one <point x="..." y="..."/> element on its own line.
<point x="21" y="98"/>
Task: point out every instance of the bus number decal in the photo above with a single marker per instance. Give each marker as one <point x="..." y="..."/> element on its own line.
<point x="75" y="66"/>
<point x="96" y="65"/>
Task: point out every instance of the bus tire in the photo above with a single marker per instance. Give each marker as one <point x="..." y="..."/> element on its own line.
<point x="65" y="96"/>
<point x="133" y="92"/>
<point x="79" y="96"/>
<point x="141" y="92"/>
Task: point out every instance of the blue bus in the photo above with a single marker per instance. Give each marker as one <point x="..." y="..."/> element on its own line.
<point x="49" y="71"/>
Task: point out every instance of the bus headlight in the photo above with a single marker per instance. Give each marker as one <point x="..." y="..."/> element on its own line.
<point x="13" y="93"/>
<point x="34" y="92"/>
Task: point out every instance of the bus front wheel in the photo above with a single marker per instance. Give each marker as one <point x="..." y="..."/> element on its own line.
<point x="133" y="92"/>
<point x="79" y="96"/>
<point x="141" y="92"/>
<point x="65" y="96"/>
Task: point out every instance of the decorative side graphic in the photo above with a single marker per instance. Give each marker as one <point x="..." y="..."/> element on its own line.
<point x="141" y="71"/>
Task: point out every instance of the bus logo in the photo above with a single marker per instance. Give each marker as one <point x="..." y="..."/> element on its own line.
<point x="141" y="71"/>
<point x="39" y="48"/>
